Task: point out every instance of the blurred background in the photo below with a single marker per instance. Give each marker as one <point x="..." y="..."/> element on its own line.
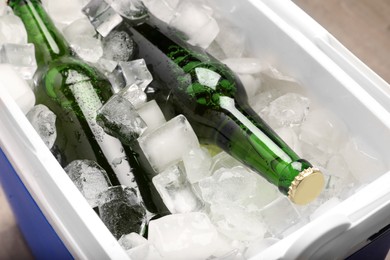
<point x="363" y="26"/>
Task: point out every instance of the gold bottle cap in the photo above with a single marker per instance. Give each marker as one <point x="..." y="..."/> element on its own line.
<point x="306" y="186"/>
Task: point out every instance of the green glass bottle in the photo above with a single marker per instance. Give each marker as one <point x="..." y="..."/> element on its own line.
<point x="215" y="103"/>
<point x="74" y="91"/>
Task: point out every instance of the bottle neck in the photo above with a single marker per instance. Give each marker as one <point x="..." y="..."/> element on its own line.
<point x="49" y="43"/>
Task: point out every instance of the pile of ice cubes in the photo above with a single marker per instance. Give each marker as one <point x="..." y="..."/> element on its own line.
<point x="220" y="209"/>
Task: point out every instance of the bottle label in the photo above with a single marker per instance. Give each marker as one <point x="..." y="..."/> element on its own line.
<point x="89" y="102"/>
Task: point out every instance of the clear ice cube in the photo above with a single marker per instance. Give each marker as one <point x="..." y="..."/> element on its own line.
<point x="324" y="131"/>
<point x="21" y="57"/>
<point x="290" y="109"/>
<point x="44" y="122"/>
<point x="118" y="46"/>
<point x="89" y="178"/>
<point x="176" y="192"/>
<point x="166" y="145"/>
<point x="365" y="163"/>
<point x="290" y="137"/>
<point x="133" y="10"/>
<point x="164" y="10"/>
<point x="102" y="16"/>
<point x="195" y="23"/>
<point x="145" y="252"/>
<point x="134" y="94"/>
<point x="17" y="87"/>
<point x="223" y="185"/>
<point x="119" y="118"/>
<point x="121" y="209"/>
<point x="279" y="215"/>
<point x="152" y="115"/>
<point x="12" y="30"/>
<point x="131" y="240"/>
<point x="197" y="163"/>
<point x="251" y="84"/>
<point x="231" y="40"/>
<point x="136" y="72"/>
<point x="81" y="36"/>
<point x="190" y="234"/>
<point x="236" y="222"/>
<point x="223" y="160"/>
<point x="244" y="65"/>
<point x="64" y="12"/>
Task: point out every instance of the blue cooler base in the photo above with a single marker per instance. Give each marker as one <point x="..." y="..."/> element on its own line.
<point x="38" y="233"/>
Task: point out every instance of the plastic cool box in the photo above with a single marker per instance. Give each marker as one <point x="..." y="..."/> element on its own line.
<point x="53" y="215"/>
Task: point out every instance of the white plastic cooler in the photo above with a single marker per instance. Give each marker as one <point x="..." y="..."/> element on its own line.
<point x="57" y="221"/>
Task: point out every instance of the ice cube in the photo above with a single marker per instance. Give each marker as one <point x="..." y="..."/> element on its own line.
<point x="236" y="222"/>
<point x="44" y="122"/>
<point x="190" y="234"/>
<point x="162" y="9"/>
<point x="117" y="80"/>
<point x="79" y="27"/>
<point x="166" y="145"/>
<point x="131" y="240"/>
<point x="18" y="88"/>
<point x="223" y="185"/>
<point x="136" y="72"/>
<point x="89" y="178"/>
<point x="251" y="84"/>
<point x="64" y="12"/>
<point x="290" y="109"/>
<point x="102" y="16"/>
<point x="365" y="163"/>
<point x="324" y="131"/>
<point x="258" y="245"/>
<point x="122" y="211"/>
<point x="133" y="10"/>
<point x="176" y="191"/>
<point x="21" y="57"/>
<point x="134" y="94"/>
<point x="106" y="66"/>
<point x="260" y="102"/>
<point x="244" y="65"/>
<point x="289" y="136"/>
<point x="326" y="206"/>
<point x="12" y="30"/>
<point x="195" y="23"/>
<point x="119" y="118"/>
<point x="231" y="40"/>
<point x="223" y="160"/>
<point x="3" y="7"/>
<point x="145" y="252"/>
<point x="197" y="163"/>
<point x="118" y="46"/>
<point x="80" y="35"/>
<point x="279" y="215"/>
<point x="152" y="115"/>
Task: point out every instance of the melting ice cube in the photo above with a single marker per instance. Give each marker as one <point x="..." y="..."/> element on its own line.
<point x="118" y="46"/>
<point x="166" y="145"/>
<point x="119" y="118"/>
<point x="133" y="10"/>
<point x="176" y="191"/>
<point x="122" y="211"/>
<point x="89" y="178"/>
<point x="44" y="122"/>
<point x="21" y="57"/>
<point x="136" y="72"/>
<point x="190" y="234"/>
<point x="102" y="16"/>
<point x="151" y="113"/>
<point x="197" y="163"/>
<point x="12" y="30"/>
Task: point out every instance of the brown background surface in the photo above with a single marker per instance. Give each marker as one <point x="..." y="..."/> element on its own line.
<point x="363" y="26"/>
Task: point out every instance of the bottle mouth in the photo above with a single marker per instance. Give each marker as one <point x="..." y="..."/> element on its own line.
<point x="307" y="185"/>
